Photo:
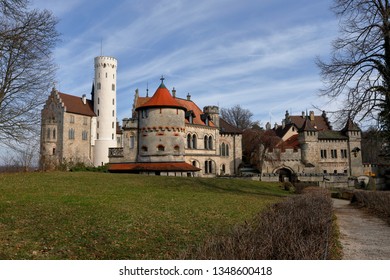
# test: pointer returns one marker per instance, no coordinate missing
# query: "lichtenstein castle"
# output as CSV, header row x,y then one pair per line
x,y
166,135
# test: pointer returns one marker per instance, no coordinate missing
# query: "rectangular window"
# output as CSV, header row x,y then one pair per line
x,y
132,142
333,153
113,87
85,120
71,133
85,135
71,119
344,153
323,154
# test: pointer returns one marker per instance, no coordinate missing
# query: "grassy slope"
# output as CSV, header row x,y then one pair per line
x,y
119,216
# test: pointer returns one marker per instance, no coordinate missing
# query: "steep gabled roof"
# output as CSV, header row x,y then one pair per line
x,y
75,104
320,123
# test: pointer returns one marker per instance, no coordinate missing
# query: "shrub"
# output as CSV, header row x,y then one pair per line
x,y
299,228
377,201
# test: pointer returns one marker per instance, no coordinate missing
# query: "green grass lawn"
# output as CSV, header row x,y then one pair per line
x,y
63,215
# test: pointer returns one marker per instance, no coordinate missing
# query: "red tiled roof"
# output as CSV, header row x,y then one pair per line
x,y
161,98
74,104
187,104
290,143
152,166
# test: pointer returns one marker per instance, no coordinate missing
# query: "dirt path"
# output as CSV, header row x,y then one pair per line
x,y
363,236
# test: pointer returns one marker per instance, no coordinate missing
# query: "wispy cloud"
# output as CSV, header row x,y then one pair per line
x,y
259,54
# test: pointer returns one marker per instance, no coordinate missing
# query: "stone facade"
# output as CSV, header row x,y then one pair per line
x,y
65,133
310,150
166,129
165,135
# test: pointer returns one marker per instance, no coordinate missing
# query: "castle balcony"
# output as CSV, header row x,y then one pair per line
x,y
115,152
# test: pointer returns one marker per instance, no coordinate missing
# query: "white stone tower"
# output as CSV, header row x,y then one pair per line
x,y
104,99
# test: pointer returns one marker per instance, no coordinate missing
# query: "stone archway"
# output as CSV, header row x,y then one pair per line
x,y
285,174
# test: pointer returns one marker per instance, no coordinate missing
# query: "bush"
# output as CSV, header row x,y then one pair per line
x,y
299,228
377,201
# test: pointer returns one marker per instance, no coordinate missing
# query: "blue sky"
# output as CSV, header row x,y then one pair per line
x,y
259,54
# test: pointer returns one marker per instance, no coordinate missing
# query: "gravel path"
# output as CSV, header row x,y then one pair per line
x,y
363,236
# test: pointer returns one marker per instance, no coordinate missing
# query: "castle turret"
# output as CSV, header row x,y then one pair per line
x,y
213,112
354,146
161,124
104,98
308,139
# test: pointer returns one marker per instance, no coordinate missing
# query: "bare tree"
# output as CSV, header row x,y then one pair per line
x,y
258,144
359,68
26,67
238,116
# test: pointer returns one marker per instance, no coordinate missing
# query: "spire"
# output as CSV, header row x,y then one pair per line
x,y
162,82
147,89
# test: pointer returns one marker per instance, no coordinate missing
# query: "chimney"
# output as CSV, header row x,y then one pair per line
x,y
312,115
174,93
188,96
84,99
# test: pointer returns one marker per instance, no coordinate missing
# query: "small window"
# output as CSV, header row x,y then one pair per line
x,y
112,136
113,87
54,151
113,101
99,86
144,149
71,133
160,148
48,133
54,133
113,113
176,148
84,135
71,119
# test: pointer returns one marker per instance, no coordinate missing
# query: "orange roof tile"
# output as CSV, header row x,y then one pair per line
x,y
152,166
74,104
161,98
189,105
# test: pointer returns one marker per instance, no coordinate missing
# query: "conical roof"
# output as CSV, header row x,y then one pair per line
x,y
307,126
351,126
162,98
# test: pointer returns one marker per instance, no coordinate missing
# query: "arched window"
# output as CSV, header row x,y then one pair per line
x,y
223,149
208,167
48,133
210,143
189,141
227,150
144,149
194,141
206,142
54,133
176,149
223,169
